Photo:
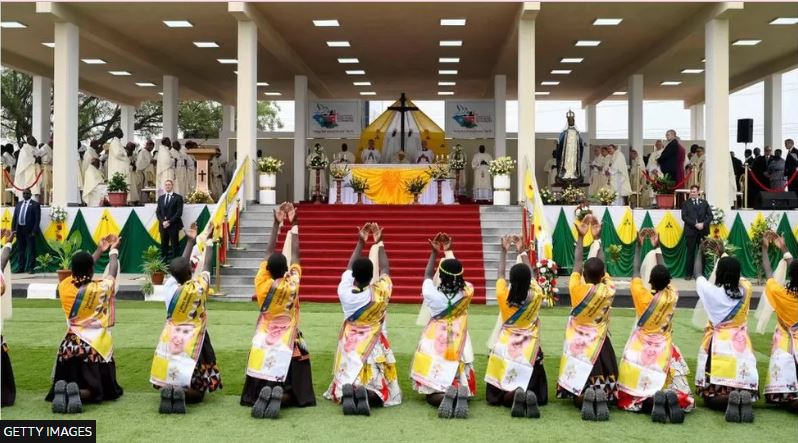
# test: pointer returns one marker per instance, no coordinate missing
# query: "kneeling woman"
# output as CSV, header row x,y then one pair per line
x,y
515,375
184,366
726,374
443,364
85,370
278,368
782,387
653,374
364,371
588,368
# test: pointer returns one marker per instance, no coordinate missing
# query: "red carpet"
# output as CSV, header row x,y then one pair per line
x,y
327,235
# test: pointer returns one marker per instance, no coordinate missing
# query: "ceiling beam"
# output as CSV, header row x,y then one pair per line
x,y
754,75
23,64
105,36
507,54
676,34
277,46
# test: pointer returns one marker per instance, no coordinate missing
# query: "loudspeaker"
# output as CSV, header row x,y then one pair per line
x,y
745,130
779,200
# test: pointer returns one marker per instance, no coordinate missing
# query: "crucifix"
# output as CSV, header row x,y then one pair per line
x,y
202,175
403,108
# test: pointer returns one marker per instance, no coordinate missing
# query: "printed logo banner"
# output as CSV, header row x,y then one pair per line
x,y
340,118
470,119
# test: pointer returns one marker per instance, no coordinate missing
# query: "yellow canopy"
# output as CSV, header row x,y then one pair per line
x,y
418,127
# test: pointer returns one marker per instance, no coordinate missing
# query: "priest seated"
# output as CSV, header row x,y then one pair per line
x,y
424,156
400,157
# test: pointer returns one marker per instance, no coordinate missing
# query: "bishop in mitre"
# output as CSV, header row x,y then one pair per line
x,y
569,153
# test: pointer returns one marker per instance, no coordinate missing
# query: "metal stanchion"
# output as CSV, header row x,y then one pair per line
x,y
745,188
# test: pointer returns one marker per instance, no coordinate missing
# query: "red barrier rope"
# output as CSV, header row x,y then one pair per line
x,y
11,181
676,186
223,243
767,189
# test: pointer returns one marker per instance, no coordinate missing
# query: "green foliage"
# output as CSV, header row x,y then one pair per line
x,y
663,184
416,185
199,197
359,185
151,261
43,262
148,288
64,250
117,183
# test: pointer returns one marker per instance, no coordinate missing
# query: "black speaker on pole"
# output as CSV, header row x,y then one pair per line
x,y
779,200
745,130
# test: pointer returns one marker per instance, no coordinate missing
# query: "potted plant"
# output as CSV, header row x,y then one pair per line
x,y
663,188
359,186
416,187
573,196
117,190
153,265
500,170
268,167
606,196
64,250
43,263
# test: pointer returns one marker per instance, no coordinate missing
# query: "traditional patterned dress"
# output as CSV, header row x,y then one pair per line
x,y
279,355
364,355
588,358
516,360
86,355
8,394
782,381
726,359
444,356
651,361
184,356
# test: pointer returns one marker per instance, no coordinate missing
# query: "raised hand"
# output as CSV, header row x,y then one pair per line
x,y
654,237
582,228
7,235
363,232
105,243
520,246
595,229
779,243
445,241
290,212
506,241
640,238
116,241
376,231
191,232
279,215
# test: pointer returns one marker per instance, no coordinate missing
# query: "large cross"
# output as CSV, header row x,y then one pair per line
x,y
403,108
202,175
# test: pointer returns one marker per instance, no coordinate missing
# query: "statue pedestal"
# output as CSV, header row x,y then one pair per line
x,y
202,155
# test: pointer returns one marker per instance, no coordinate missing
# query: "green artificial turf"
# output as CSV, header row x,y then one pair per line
x,y
38,326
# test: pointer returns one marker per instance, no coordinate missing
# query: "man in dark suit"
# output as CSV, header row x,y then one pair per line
x,y
791,163
696,215
760,168
739,169
169,212
25,224
671,160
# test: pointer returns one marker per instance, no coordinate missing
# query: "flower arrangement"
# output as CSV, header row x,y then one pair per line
x,y
614,253
582,211
199,197
358,184
758,230
573,195
319,159
270,165
58,214
717,215
457,159
339,171
663,184
438,171
501,166
546,271
416,185
549,197
605,196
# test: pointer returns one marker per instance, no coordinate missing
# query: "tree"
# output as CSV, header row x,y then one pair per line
x,y
268,118
201,119
16,90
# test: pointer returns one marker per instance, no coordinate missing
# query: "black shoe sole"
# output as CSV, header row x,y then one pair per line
x,y
362,401
658,413
733,408
348,400
446,408
461,406
746,408
179,401
602,410
532,409
74,404
675,412
166,400
519,404
273,409
59,397
589,405
259,407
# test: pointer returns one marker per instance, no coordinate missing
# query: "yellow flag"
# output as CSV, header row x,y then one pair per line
x,y
107,225
669,230
627,230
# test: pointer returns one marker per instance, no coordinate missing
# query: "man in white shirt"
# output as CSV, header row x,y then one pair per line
x,y
370,155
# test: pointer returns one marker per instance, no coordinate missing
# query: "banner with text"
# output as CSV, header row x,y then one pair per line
x,y
338,118
470,119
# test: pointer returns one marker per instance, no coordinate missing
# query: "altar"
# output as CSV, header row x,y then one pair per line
x,y
386,185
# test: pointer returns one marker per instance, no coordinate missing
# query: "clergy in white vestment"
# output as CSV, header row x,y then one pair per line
x,y
136,179
459,178
230,168
597,177
181,173
370,155
94,189
424,156
25,174
344,157
551,169
217,175
317,157
696,164
45,155
164,165
191,166
144,168
9,162
637,180
652,167
618,173
483,188
400,157
118,160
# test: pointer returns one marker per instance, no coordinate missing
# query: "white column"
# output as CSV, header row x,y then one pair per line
x,y
500,113
592,127
697,122
170,97
300,134
716,84
773,93
526,93
247,101
634,95
228,130
65,110
41,108
128,123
